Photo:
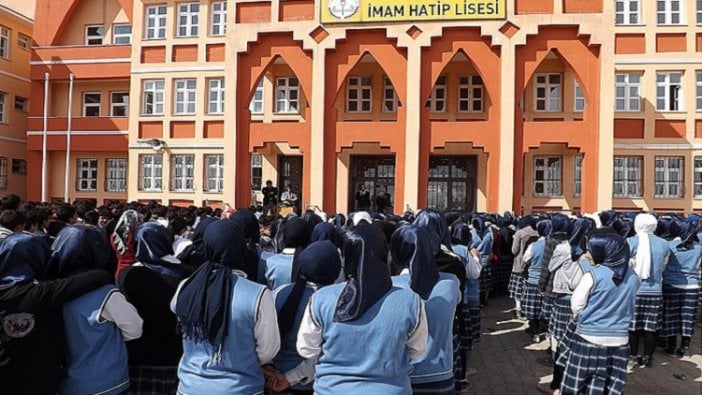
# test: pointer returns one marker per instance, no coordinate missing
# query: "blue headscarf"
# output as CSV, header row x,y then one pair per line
x,y
23,258
663,228
411,248
686,232
339,221
365,257
297,234
461,234
610,250
544,228
624,227
434,223
576,237
559,223
155,250
478,223
248,223
326,231
78,248
607,218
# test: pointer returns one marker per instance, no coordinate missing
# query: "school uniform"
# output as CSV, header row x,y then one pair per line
x,y
278,269
532,298
516,280
471,297
680,290
483,243
648,312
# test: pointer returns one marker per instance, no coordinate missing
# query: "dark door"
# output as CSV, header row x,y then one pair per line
x,y
377,173
290,173
452,183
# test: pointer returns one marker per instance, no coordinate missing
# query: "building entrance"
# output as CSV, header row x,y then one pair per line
x,y
290,173
452,182
376,175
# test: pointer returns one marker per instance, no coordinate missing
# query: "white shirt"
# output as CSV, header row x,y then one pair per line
x,y
116,309
578,302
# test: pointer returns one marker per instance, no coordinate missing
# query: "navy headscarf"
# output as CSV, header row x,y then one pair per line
x,y
248,223
461,234
623,226
610,250
194,254
78,248
326,231
23,258
319,264
686,232
434,223
155,250
544,228
478,224
576,237
297,234
607,218
339,221
365,256
663,229
411,248
559,223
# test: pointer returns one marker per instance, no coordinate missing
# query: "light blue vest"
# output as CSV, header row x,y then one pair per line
x,y
610,308
660,250
683,267
239,371
279,270
471,288
368,355
262,256
485,248
535,267
96,356
437,364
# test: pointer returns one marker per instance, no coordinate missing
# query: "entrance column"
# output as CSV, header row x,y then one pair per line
x,y
505,155
412,129
605,144
316,151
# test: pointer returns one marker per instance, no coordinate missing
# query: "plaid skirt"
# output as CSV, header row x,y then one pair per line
x,y
592,369
446,387
648,313
460,361
546,309
564,345
486,278
153,380
516,286
531,301
471,319
560,317
679,310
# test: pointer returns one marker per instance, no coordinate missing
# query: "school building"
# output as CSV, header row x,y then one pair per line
x,y
525,105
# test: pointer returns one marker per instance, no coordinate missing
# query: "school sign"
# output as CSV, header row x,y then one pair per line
x,y
360,11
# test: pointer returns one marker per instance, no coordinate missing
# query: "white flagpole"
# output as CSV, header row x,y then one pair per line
x,y
44,138
68,137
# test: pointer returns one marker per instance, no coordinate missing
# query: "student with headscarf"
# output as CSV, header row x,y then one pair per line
x,y
228,322
320,265
33,348
603,304
123,239
281,269
364,331
411,249
532,298
557,238
149,285
649,257
194,255
681,287
96,324
252,232
482,241
525,235
326,231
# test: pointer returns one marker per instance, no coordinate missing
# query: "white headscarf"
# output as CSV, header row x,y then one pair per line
x,y
362,216
644,225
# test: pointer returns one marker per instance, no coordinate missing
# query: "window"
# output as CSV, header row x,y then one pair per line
x,y
698,177
3,111
3,173
182,173
23,41
628,92
119,104
150,172
19,166
216,96
214,173
628,176
437,99
156,22
628,12
94,34
256,171
668,91
116,180
389,96
548,172
91,104
188,19
256,105
87,175
669,177
470,94
287,99
219,18
578,98
153,97
547,92
669,12
699,12
121,34
21,103
185,91
698,90
359,94
4,42
578,176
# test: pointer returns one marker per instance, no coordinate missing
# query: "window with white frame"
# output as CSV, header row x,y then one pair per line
x,y
359,94
116,175
94,34
21,103
153,97
3,107
4,42
287,95
699,12
91,104
215,96
628,176
627,12
470,93
669,173
698,177
437,98
256,171
151,172
669,91
87,170
578,175
188,19
698,91
578,98
184,96
547,93
669,12
182,172
23,41
121,34
628,92
156,22
256,104
218,18
214,173
389,96
3,173
548,175
119,104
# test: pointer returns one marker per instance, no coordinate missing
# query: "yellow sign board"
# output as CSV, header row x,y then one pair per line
x,y
359,11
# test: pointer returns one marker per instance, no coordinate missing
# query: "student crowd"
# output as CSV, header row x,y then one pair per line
x,y
146,299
